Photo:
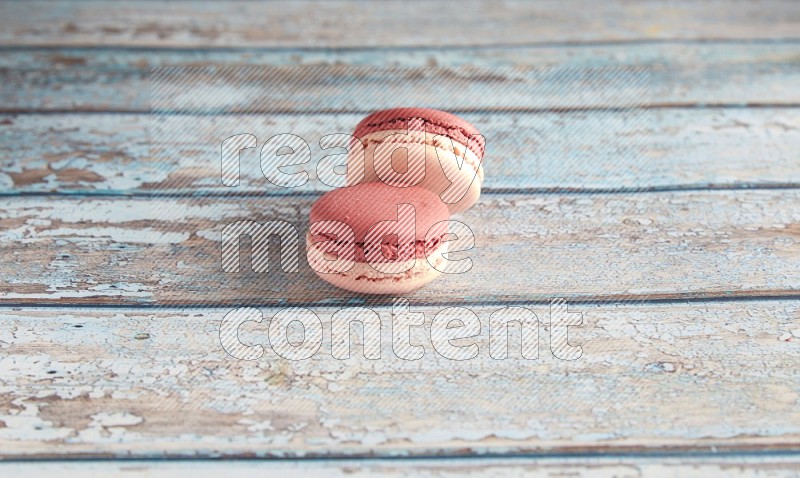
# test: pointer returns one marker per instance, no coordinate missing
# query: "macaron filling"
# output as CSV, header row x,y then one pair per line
x,y
453,146
419,270
423,268
390,251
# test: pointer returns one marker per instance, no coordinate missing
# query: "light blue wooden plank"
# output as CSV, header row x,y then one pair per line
x,y
678,53
688,74
653,382
658,149
766,464
356,24
626,247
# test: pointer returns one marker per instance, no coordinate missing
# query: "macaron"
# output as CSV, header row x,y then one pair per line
x,y
377,239
433,149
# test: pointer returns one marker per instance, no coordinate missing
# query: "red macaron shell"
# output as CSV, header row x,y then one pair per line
x,y
435,122
364,205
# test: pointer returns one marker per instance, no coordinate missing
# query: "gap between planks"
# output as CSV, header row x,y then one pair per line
x,y
485,191
632,301
457,111
111,48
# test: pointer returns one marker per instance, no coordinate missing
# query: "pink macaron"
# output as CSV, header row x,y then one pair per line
x,y
422,147
378,239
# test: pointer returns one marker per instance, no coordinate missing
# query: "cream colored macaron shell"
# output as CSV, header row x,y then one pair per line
x,y
363,278
448,169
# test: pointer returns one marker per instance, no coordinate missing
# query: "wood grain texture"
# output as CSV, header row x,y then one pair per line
x,y
528,247
651,378
662,385
396,24
766,465
680,148
675,56
679,74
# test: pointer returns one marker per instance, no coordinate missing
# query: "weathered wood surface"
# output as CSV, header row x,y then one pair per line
x,y
701,377
392,24
767,465
681,148
527,247
695,74
673,56
708,375
347,88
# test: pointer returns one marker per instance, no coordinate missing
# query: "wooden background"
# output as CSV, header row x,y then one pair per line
x,y
685,262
